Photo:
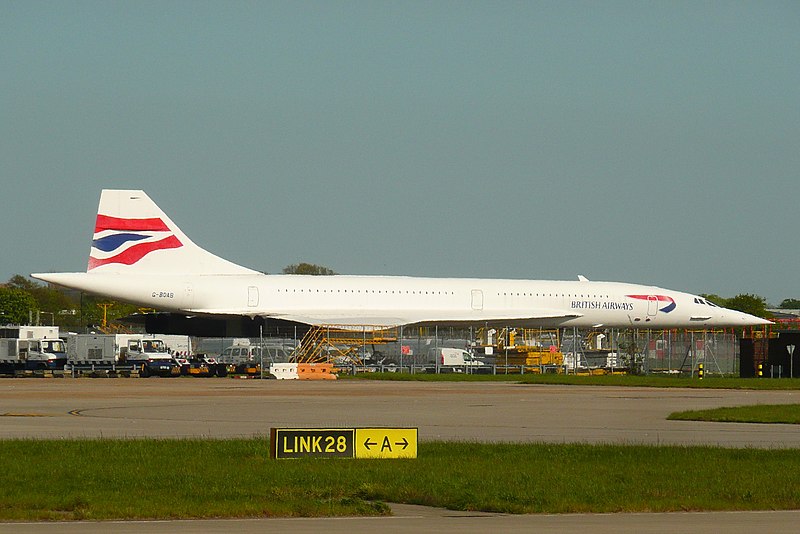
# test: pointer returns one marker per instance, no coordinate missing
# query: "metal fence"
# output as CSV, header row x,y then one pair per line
x,y
677,351
634,351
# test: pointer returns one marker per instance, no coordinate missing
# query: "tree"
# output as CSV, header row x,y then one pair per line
x,y
15,305
307,268
59,304
64,307
790,304
48,298
20,282
748,303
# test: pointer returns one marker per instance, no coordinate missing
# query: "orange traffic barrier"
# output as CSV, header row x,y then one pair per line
x,y
315,371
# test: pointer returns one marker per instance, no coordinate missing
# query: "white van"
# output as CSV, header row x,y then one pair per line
x,y
239,354
446,356
242,354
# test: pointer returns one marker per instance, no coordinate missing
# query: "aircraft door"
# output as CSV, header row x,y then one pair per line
x,y
188,296
477,299
652,305
252,296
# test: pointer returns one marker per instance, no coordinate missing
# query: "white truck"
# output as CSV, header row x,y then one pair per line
x,y
150,355
147,354
31,347
453,360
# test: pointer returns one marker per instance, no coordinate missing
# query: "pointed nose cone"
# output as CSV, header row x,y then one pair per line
x,y
745,319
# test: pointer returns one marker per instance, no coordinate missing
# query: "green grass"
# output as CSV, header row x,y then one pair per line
x,y
607,380
432,377
759,413
667,382
138,479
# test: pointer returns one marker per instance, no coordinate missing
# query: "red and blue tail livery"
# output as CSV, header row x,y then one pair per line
x,y
127,241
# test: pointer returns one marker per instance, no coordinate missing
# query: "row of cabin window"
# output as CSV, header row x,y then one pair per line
x,y
554,295
380,291
443,293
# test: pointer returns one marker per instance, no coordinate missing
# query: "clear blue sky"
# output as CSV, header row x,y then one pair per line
x,y
651,142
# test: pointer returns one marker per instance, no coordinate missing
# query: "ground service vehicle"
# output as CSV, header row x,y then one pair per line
x,y
91,349
201,365
30,348
244,358
32,354
150,356
456,360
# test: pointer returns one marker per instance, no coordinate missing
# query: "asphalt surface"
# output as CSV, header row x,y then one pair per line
x,y
487,411
417,519
483,411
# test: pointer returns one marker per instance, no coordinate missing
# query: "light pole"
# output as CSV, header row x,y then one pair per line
x,y
51,314
261,350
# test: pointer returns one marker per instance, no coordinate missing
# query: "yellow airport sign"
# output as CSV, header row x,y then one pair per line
x,y
382,443
386,443
311,442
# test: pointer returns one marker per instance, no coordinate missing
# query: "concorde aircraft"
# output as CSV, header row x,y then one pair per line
x,y
140,256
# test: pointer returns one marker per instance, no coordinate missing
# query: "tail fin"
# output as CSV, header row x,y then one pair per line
x,y
132,235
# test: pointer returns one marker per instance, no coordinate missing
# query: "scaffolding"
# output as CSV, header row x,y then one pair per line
x,y
107,327
341,344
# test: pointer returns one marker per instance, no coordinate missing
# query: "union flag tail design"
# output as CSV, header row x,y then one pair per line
x,y
127,241
133,235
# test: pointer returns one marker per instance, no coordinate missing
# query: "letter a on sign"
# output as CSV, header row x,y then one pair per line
x,y
386,442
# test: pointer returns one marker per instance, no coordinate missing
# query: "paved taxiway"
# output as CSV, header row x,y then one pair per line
x,y
487,411
419,519
483,411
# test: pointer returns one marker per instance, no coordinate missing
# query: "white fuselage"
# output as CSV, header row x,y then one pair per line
x,y
396,300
